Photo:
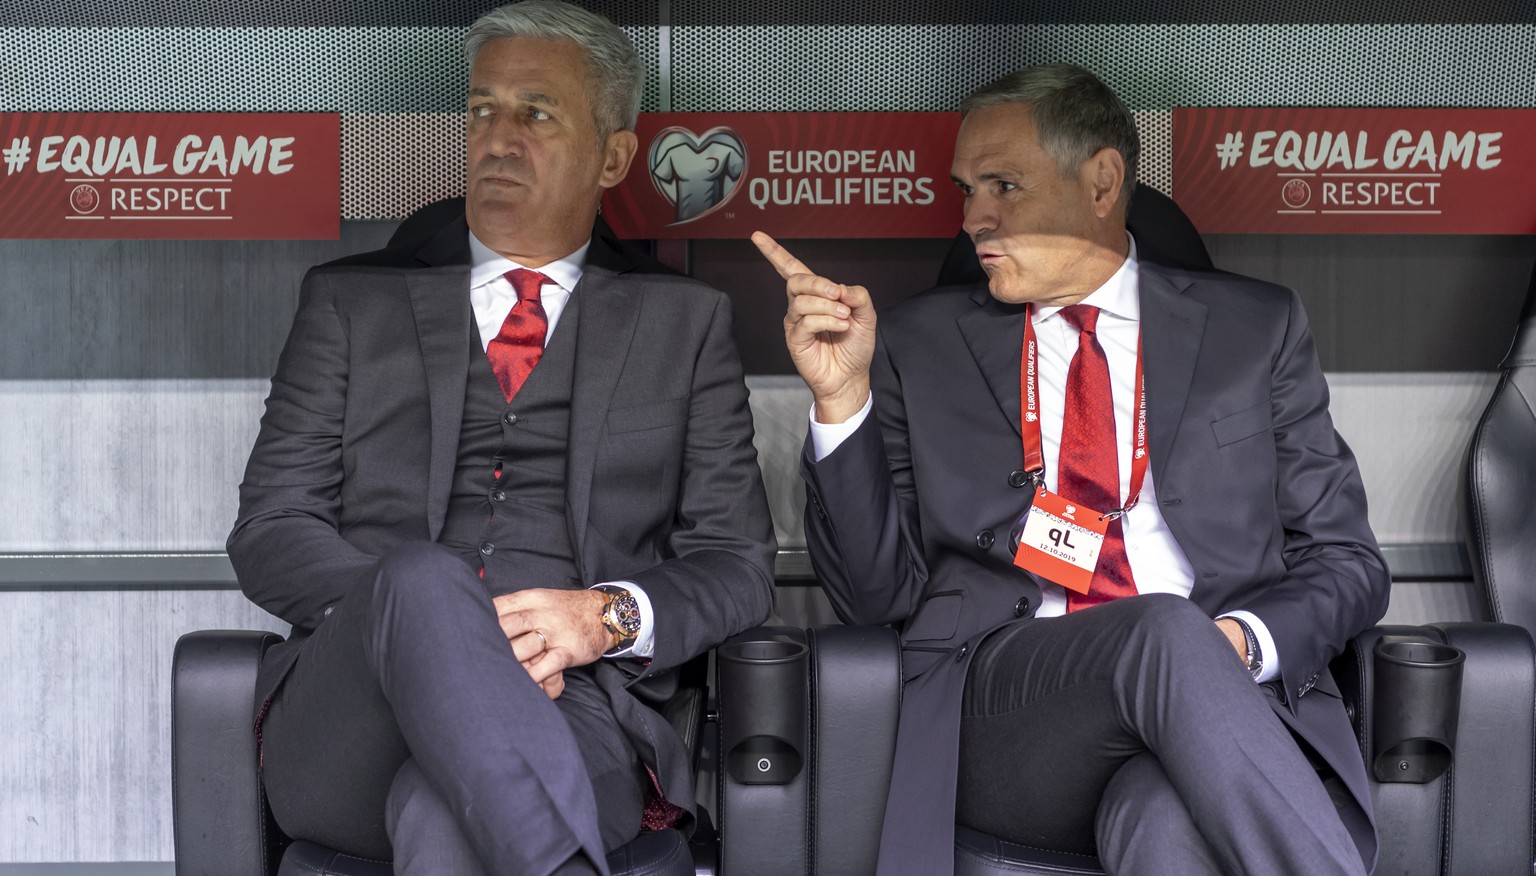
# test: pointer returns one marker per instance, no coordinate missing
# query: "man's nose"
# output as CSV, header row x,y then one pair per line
x,y
979,217
505,135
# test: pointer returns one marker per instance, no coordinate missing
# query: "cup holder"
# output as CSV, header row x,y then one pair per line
x,y
1416,704
762,709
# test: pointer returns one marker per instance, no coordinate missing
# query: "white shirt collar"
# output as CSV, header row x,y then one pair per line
x,y
486,265
1119,294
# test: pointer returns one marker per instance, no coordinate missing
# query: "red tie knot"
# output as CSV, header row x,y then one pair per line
x,y
526,282
1084,317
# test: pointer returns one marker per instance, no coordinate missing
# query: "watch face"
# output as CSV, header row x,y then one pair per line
x,y
625,613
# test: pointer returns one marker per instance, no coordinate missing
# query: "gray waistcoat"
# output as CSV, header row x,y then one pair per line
x,y
515,526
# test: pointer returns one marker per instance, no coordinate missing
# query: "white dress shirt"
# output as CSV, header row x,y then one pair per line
x,y
1157,562
492,297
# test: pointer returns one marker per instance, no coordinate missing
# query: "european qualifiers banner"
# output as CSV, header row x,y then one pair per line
x,y
1356,170
182,176
793,175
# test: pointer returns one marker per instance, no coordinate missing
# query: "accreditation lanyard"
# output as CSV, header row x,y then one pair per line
x,y
1055,537
1029,403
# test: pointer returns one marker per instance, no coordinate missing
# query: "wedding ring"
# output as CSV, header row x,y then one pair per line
x,y
543,642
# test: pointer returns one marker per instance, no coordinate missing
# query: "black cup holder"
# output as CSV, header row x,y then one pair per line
x,y
763,651
1416,704
762,709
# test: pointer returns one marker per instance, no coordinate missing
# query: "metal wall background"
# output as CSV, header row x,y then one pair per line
x,y
131,371
397,76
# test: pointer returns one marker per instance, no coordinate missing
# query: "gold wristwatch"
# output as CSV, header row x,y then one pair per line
x,y
621,616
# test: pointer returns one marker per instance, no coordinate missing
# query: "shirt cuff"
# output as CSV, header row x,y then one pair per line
x,y
645,640
1271,657
827,437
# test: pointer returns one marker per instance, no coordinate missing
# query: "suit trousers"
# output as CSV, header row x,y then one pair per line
x,y
408,700
1132,730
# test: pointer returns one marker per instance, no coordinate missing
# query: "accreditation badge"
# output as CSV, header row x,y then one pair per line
x,y
1060,541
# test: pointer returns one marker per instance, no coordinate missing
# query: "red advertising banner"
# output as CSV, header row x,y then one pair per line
x,y
1356,170
703,175
230,176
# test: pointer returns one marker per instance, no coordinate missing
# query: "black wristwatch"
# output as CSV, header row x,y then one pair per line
x,y
621,616
1255,653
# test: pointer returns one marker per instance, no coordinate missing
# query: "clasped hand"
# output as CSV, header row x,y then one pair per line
x,y
553,630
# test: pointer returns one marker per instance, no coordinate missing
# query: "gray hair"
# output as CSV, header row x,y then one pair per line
x,y
615,73
1075,114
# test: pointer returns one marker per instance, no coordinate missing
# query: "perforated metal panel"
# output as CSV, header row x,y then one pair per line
x,y
394,70
1156,165
400,91
396,163
912,12
1152,66
284,13
255,69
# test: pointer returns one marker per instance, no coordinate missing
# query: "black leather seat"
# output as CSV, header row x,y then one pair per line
x,y
1499,510
824,818
222,824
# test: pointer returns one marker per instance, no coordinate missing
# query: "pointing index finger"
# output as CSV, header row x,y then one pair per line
x,y
787,265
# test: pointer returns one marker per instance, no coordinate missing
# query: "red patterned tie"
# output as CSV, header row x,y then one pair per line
x,y
1089,467
517,347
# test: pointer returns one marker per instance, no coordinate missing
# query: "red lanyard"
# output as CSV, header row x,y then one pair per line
x,y
1029,403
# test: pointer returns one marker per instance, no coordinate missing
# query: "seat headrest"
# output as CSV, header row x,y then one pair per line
x,y
1522,353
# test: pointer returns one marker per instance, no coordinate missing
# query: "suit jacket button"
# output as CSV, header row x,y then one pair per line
x,y
960,655
486,548
498,495
1018,478
1021,608
985,539
509,418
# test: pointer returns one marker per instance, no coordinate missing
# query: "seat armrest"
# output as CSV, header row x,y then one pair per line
x,y
1483,805
222,826
823,815
855,696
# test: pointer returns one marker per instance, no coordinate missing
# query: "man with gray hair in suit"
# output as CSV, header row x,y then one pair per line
x,y
1105,502
504,485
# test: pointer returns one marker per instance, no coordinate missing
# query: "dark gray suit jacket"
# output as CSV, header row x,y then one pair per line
x,y
1258,489
358,446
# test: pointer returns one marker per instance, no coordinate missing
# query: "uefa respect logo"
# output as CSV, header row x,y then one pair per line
x,y
84,199
697,174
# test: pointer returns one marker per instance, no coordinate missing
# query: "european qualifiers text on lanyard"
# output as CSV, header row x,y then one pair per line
x,y
1058,539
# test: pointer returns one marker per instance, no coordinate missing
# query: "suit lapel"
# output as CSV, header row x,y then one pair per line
x,y
1172,325
440,301
994,332
610,308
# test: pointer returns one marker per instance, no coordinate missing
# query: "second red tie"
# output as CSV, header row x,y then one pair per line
x,y
1089,463
517,347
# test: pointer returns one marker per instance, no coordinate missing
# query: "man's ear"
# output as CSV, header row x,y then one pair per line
x,y
618,151
1103,175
